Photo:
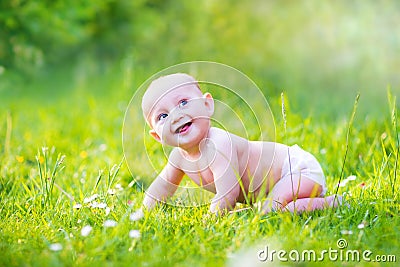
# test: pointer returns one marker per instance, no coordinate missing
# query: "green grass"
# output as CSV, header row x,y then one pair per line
x,y
81,118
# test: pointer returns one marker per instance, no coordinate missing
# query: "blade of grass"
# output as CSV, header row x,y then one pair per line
x,y
41,177
45,170
294,197
347,143
98,180
113,174
59,161
8,134
394,124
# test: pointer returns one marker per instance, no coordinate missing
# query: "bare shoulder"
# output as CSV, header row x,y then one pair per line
x,y
218,135
175,158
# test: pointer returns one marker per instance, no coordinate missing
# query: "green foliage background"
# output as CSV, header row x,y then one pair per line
x,y
321,52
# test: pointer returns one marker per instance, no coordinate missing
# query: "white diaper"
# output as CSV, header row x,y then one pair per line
x,y
304,164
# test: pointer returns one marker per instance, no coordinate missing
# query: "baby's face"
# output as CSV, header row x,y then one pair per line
x,y
181,116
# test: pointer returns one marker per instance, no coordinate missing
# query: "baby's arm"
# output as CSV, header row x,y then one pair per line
x,y
225,170
164,186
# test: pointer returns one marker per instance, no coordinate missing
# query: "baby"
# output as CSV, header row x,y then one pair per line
x,y
233,168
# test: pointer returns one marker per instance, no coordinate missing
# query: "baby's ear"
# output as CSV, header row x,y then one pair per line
x,y
209,103
155,135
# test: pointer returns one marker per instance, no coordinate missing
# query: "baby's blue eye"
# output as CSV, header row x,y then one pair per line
x,y
183,102
162,116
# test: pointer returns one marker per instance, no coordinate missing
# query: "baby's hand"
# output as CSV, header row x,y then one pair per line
x,y
137,215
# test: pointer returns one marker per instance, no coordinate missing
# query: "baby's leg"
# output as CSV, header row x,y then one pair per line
x,y
291,188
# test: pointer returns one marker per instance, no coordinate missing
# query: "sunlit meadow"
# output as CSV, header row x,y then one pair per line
x,y
68,198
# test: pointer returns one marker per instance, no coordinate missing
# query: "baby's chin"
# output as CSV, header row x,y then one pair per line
x,y
191,141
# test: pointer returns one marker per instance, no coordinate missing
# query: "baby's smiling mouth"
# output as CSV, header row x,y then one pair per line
x,y
184,127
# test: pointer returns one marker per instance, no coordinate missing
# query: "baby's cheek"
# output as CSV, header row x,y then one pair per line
x,y
200,114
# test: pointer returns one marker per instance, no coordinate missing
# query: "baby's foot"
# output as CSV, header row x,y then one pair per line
x,y
335,200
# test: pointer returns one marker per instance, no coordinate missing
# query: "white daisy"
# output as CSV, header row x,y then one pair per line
x,y
134,234
85,231
55,247
110,223
137,215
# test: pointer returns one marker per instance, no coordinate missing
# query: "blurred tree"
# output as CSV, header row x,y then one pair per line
x,y
323,48
36,33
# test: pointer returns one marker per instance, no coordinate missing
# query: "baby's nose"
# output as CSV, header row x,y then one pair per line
x,y
176,117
